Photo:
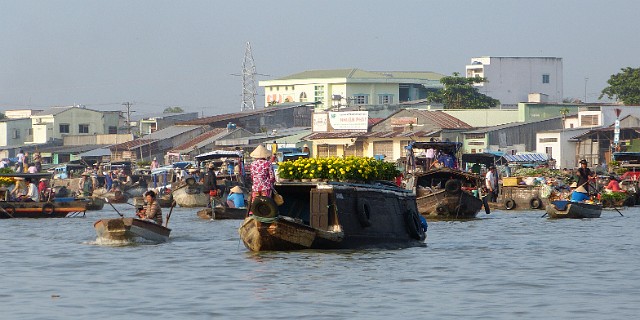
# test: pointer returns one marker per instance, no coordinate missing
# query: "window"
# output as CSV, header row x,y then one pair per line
x,y
303,97
113,130
542,140
545,78
355,149
361,99
385,99
476,143
83,128
325,151
383,148
319,93
475,136
589,120
548,150
16,134
64,128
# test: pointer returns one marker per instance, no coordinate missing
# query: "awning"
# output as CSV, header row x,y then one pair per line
x,y
217,154
526,157
100,152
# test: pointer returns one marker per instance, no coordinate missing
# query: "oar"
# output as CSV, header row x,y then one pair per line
x,y
114,208
173,204
618,211
543,215
6,212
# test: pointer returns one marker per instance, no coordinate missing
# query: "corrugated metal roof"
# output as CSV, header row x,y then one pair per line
x,y
377,134
239,115
57,110
209,135
172,131
132,144
526,157
508,125
443,120
70,149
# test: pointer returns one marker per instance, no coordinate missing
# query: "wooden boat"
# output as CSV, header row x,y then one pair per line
x,y
189,194
95,203
58,208
575,210
116,196
222,213
131,229
333,215
442,193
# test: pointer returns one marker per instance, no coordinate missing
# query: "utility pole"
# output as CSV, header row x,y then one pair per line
x,y
128,106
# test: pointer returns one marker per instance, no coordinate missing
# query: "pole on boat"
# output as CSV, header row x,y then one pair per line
x,y
543,215
114,208
618,211
173,204
6,212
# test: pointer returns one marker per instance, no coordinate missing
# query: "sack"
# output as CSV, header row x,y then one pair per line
x,y
277,198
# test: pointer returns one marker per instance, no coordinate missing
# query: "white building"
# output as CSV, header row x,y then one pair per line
x,y
14,132
513,79
559,145
74,120
350,87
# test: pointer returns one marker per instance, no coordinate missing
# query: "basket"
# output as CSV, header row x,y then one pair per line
x,y
511,181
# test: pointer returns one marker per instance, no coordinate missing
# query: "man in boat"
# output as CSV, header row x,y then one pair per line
x,y
211,183
151,211
491,183
585,175
32,191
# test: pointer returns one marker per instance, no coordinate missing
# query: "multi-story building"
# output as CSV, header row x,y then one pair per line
x,y
350,87
56,122
512,79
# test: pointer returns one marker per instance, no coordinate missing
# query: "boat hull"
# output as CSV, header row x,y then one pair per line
x,y
129,229
223,213
95,203
442,205
335,216
52,209
190,197
573,210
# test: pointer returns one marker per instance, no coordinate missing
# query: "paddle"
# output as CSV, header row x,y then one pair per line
x,y
618,211
114,208
173,204
6,212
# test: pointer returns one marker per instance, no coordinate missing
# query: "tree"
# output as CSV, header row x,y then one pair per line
x,y
173,110
459,93
624,86
2,116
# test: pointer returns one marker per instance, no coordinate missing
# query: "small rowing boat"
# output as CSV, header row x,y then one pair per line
x,y
130,229
574,210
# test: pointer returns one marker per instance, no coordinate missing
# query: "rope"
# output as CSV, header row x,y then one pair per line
x,y
264,220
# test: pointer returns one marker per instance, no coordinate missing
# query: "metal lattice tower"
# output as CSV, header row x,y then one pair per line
x,y
248,81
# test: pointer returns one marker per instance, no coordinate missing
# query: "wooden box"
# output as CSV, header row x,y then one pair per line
x,y
511,181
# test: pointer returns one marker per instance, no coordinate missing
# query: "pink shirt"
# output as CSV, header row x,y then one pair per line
x,y
262,175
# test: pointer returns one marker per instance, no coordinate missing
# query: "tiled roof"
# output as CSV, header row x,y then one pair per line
x,y
362,74
132,144
378,134
443,120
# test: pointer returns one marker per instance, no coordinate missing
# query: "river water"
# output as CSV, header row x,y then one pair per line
x,y
505,265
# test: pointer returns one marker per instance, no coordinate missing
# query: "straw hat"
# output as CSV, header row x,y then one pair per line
x,y
18,178
211,166
305,146
581,189
236,189
583,161
260,152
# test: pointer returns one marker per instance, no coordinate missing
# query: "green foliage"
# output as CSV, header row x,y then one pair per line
x,y
2,116
624,86
173,110
613,196
459,93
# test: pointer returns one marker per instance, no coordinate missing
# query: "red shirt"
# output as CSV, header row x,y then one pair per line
x,y
262,175
613,185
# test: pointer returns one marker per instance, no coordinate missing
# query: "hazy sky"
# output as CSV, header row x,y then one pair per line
x,y
166,53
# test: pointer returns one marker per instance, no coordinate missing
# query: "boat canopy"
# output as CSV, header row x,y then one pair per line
x,y
486,158
217,154
445,146
627,156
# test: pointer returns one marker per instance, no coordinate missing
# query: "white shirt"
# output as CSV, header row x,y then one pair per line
x,y
431,153
20,157
491,180
33,192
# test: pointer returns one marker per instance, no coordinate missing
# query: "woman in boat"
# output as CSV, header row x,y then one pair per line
x,y
262,174
580,194
32,191
151,211
235,199
19,189
613,185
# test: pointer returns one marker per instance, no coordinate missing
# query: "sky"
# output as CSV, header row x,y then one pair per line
x,y
156,54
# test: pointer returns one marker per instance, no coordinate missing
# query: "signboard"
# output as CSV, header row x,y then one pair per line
x,y
319,122
349,121
616,132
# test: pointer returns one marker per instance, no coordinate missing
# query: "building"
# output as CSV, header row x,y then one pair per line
x,y
350,87
560,145
56,122
15,131
154,123
509,138
512,79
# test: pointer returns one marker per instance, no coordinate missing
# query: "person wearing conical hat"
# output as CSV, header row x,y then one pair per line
x,y
580,194
262,175
235,199
585,175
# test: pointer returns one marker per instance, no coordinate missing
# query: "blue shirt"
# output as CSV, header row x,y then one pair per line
x,y
237,198
579,196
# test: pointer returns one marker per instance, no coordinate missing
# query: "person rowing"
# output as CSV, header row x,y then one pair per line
x,y
151,211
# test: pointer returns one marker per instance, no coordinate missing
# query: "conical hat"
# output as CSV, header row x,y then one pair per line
x,y
236,189
260,152
581,189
